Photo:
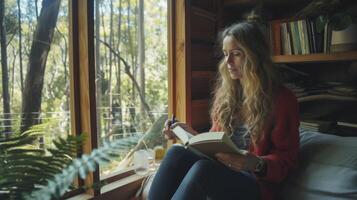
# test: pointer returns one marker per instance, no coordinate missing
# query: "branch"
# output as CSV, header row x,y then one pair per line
x,y
127,71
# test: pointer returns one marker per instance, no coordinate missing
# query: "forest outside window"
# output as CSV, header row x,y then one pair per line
x,y
46,69
35,88
130,38
35,68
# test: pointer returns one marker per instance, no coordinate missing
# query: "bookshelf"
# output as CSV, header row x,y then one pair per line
x,y
290,35
195,25
196,68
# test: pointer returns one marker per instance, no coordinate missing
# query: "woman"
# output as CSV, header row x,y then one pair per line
x,y
259,114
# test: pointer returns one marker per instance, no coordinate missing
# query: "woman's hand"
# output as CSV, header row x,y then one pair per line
x,y
169,126
238,162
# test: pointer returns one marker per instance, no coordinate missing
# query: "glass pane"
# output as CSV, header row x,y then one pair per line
x,y
34,69
131,76
35,78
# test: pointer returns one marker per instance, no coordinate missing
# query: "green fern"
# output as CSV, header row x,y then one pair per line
x,y
23,166
57,186
29,173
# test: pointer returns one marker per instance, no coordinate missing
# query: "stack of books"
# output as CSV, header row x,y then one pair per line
x,y
317,126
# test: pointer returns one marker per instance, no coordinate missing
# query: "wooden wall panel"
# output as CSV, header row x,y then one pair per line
x,y
203,26
201,88
203,57
208,5
193,29
200,114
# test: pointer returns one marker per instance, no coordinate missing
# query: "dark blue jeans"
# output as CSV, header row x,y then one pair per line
x,y
184,175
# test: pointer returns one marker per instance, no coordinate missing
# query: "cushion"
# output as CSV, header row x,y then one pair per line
x,y
327,168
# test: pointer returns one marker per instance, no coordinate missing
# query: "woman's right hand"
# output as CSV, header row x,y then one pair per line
x,y
167,130
169,134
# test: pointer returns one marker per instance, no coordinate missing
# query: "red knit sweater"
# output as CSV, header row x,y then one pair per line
x,y
279,148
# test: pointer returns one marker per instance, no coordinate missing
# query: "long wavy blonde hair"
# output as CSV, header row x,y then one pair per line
x,y
248,100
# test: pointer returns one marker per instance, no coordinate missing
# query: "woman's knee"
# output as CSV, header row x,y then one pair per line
x,y
176,150
175,154
202,168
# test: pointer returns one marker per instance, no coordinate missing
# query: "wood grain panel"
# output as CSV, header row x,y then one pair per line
x,y
208,5
181,67
200,114
318,57
83,78
201,87
203,26
203,57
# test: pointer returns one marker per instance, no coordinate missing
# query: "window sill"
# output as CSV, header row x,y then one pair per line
x,y
124,188
81,197
121,183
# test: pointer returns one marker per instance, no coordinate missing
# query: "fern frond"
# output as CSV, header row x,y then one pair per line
x,y
57,186
23,166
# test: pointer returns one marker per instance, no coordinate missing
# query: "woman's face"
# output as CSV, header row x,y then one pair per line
x,y
234,57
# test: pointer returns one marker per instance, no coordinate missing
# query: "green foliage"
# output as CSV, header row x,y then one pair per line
x,y
58,185
330,11
11,18
154,137
340,21
23,166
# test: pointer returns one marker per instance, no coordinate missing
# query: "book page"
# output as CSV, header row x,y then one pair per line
x,y
214,142
182,134
209,136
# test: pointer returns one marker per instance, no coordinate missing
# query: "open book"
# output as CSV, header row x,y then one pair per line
x,y
208,143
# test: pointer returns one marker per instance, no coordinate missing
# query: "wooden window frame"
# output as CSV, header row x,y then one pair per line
x,y
83,95
82,79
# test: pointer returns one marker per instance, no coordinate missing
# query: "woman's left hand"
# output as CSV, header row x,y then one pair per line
x,y
238,162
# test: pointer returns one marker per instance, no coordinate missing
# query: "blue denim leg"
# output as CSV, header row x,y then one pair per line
x,y
177,162
208,179
184,176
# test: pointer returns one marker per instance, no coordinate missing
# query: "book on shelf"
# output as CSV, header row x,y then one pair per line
x,y
285,34
275,37
207,144
298,37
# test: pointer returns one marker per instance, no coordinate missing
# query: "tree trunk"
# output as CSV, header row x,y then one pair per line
x,y
103,81
141,55
64,51
31,98
12,82
4,70
98,67
132,112
110,102
119,108
20,46
36,9
105,61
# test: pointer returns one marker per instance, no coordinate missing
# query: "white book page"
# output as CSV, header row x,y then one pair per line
x,y
209,136
182,134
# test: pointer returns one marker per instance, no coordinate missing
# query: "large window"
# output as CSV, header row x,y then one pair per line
x,y
63,62
131,74
35,82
